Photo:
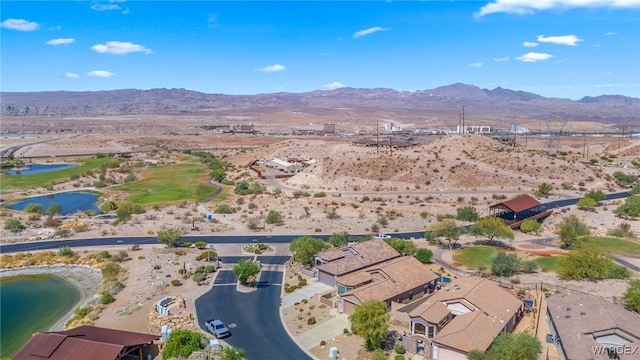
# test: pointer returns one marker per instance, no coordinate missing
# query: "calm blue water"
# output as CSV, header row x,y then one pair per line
x,y
71,202
31,169
29,304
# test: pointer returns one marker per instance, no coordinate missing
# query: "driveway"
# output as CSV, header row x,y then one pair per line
x,y
253,318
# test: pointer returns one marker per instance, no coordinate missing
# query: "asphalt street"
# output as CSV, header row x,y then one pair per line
x,y
253,318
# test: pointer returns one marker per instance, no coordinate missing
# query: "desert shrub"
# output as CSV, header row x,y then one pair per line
x,y
289,289
528,266
224,209
176,282
14,225
65,251
110,271
623,230
201,244
34,209
398,357
107,298
208,255
467,213
135,247
399,349
199,277
274,217
104,254
302,283
311,321
345,331
323,343
424,255
320,194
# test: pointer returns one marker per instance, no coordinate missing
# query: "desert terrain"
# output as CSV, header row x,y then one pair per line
x,y
411,188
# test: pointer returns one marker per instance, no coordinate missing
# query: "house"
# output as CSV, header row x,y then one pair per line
x,y
401,279
583,325
465,315
86,342
335,262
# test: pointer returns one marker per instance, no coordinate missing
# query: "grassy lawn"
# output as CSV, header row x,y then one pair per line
x,y
613,246
43,179
476,256
548,262
187,181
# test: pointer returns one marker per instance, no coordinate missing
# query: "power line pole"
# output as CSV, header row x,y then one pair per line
x,y
463,129
377,136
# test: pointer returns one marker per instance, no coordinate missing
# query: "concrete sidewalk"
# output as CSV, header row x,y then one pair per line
x,y
325,331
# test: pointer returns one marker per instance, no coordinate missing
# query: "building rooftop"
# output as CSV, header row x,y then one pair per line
x,y
388,280
518,204
473,330
357,256
583,321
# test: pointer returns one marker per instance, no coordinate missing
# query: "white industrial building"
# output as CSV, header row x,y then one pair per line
x,y
284,166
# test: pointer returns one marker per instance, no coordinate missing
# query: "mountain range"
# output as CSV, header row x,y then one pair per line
x,y
441,101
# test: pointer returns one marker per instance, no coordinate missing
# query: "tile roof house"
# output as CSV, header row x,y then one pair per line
x,y
85,342
467,314
584,326
335,262
400,279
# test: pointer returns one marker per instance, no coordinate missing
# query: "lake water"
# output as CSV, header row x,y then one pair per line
x,y
29,304
30,169
71,202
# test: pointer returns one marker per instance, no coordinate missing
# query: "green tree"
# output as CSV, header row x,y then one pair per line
x,y
217,174
571,229
124,213
402,246
504,264
509,346
305,248
170,237
424,255
596,195
492,228
14,225
530,226
339,239
587,264
241,187
110,271
274,217
371,321
544,190
231,353
630,207
447,229
587,203
631,297
54,209
246,269
467,213
182,343
34,209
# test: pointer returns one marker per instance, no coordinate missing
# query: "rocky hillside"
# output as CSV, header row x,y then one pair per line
x,y
441,101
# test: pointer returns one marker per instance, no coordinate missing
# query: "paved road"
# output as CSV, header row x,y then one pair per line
x,y
253,317
224,239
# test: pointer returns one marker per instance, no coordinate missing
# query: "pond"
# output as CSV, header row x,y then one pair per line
x,y
71,202
30,169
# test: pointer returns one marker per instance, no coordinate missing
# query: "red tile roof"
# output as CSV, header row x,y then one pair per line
x,y
521,203
84,342
357,256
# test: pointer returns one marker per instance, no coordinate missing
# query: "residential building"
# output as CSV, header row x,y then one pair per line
x,y
587,327
86,342
335,262
465,315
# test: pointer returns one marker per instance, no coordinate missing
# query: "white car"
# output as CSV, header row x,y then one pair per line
x,y
217,328
382,236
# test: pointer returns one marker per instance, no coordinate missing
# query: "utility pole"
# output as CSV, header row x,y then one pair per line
x,y
463,129
377,136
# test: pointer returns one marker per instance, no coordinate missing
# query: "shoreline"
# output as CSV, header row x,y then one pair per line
x,y
85,278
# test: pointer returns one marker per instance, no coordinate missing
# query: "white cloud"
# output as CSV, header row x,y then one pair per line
x,y
334,85
120,48
610,33
476,64
369,31
529,44
522,7
273,68
20,25
71,75
100,73
570,40
60,41
502,59
534,56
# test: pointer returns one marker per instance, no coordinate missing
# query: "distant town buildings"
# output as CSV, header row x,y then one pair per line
x,y
329,128
473,129
517,129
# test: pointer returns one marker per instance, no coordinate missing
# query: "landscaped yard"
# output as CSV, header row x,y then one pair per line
x,y
476,256
548,262
188,181
613,246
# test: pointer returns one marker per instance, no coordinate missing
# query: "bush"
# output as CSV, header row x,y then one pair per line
x,y
530,226
208,255
302,283
311,321
528,266
274,217
467,213
104,254
424,255
186,244
505,264
345,331
199,277
201,244
224,209
135,247
111,271
65,251
398,357
176,282
107,298
14,225
399,349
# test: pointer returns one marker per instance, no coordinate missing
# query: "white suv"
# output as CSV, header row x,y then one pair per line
x,y
382,236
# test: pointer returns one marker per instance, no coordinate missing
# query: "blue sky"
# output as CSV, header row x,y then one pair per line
x,y
555,48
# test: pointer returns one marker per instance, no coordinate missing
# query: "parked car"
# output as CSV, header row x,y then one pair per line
x,y
217,328
382,236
